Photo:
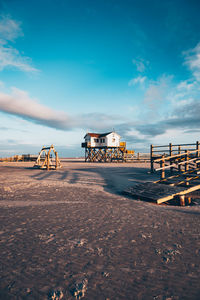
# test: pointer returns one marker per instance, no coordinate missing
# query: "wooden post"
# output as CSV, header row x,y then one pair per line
x,y
182,200
186,159
56,153
186,166
162,171
188,200
48,158
138,156
197,148
151,153
170,154
179,152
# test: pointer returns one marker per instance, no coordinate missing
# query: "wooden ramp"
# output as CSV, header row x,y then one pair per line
x,y
159,192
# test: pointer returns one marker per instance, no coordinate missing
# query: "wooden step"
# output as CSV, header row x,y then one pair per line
x,y
158,192
191,174
155,192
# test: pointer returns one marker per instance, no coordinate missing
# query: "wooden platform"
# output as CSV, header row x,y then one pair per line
x,y
159,192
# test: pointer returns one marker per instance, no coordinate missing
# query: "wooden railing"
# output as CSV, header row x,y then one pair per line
x,y
177,161
171,153
137,157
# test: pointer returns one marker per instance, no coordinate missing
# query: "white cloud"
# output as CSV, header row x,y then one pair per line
x,y
186,85
9,29
184,92
137,80
10,57
192,60
20,104
174,136
156,96
153,95
140,64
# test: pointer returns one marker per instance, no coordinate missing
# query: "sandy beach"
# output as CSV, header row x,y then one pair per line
x,y
72,234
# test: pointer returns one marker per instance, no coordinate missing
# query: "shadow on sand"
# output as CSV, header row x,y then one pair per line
x,y
113,179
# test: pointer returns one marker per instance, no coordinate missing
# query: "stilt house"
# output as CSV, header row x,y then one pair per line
x,y
109,139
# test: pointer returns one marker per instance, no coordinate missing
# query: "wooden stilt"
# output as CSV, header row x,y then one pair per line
x,y
182,200
188,200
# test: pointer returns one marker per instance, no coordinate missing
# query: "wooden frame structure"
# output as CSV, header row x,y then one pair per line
x,y
46,160
183,163
103,154
108,154
189,160
171,151
179,167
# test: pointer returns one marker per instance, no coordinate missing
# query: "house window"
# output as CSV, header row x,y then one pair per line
x,y
96,140
113,140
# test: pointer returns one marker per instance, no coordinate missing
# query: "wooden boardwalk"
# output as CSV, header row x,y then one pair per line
x,y
181,179
159,192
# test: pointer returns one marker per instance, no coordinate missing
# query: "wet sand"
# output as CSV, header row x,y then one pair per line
x,y
72,234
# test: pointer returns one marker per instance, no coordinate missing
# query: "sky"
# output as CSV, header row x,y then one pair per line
x,y
71,67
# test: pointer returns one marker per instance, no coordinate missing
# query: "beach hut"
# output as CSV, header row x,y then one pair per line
x,y
109,139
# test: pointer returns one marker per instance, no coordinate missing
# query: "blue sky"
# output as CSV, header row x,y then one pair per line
x,y
68,67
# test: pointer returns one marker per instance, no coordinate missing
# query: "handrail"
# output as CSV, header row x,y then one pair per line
x,y
176,145
177,155
174,150
174,165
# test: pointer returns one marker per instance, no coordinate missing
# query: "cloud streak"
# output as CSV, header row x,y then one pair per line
x,y
20,104
137,80
10,29
192,60
10,57
184,118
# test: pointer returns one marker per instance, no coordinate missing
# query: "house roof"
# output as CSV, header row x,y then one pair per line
x,y
105,134
92,134
99,135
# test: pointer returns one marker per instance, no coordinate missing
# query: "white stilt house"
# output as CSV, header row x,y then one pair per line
x,y
109,139
105,147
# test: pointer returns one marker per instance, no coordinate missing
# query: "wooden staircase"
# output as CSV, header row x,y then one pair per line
x,y
176,183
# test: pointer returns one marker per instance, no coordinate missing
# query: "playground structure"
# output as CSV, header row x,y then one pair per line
x,y
106,147
179,167
48,159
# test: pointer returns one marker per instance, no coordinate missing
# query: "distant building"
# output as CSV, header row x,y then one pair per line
x,y
109,139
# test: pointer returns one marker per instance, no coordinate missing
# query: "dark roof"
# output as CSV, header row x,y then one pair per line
x,y
104,134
